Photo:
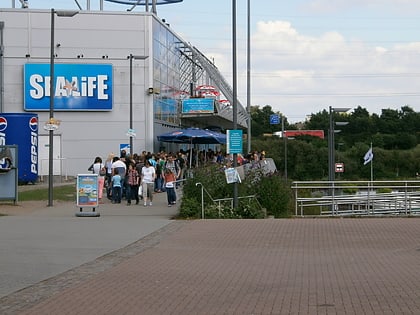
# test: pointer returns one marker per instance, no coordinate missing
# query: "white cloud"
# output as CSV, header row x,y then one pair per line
x,y
299,75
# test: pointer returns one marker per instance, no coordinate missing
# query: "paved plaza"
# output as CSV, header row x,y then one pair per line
x,y
271,266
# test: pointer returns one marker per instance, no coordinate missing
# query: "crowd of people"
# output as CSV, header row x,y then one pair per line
x,y
139,176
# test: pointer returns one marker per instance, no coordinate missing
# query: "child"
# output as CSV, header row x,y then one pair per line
x,y
170,179
116,187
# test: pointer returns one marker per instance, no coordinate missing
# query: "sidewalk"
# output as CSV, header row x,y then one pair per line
x,y
42,241
293,266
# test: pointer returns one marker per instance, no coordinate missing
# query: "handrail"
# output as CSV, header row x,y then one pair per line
x,y
249,197
366,200
219,201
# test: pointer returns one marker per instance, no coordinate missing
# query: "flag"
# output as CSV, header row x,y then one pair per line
x,y
368,156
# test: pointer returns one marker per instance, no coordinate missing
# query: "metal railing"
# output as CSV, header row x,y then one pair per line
x,y
220,202
360,198
224,87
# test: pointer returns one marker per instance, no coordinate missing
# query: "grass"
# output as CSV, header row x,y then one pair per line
x,y
62,193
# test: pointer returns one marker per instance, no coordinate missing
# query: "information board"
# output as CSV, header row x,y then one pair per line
x,y
232,176
274,119
87,190
234,141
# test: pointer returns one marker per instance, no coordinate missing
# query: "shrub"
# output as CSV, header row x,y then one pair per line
x,y
275,195
272,195
190,208
384,190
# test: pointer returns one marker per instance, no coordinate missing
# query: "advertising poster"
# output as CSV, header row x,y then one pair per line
x,y
87,190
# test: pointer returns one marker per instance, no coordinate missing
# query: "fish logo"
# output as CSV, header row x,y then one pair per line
x,y
33,124
3,123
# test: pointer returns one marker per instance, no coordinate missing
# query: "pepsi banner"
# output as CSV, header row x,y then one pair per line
x,y
21,129
77,87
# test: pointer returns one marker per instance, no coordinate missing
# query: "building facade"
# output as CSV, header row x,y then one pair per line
x,y
117,75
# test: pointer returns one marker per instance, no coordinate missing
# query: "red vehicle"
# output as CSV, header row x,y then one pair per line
x,y
296,133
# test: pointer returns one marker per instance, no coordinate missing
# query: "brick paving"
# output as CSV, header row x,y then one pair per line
x,y
293,266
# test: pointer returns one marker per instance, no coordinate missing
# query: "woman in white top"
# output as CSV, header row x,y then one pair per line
x,y
148,175
99,168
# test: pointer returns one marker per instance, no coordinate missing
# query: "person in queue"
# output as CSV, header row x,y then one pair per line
x,y
148,174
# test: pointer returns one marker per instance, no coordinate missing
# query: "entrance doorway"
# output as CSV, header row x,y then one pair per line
x,y
43,155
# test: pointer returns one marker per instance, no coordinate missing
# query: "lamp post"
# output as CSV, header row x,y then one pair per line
x,y
284,136
235,101
248,72
51,120
130,131
331,141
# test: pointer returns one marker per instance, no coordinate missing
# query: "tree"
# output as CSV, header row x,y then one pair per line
x,y
261,121
395,135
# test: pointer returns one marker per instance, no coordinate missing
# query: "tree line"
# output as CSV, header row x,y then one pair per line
x,y
394,135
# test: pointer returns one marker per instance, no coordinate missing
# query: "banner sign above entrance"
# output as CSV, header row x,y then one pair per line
x,y
78,87
198,106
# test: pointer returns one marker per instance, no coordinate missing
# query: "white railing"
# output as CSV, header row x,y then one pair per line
x,y
220,202
349,198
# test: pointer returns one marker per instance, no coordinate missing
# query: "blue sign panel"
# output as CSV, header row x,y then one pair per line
x,y
125,147
274,119
198,106
234,141
78,87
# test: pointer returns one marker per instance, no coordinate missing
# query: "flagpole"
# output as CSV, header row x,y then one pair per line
x,y
371,165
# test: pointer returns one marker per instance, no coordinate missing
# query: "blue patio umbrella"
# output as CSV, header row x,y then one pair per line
x,y
193,136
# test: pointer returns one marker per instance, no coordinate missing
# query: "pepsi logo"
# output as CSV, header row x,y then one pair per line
x,y
3,123
33,124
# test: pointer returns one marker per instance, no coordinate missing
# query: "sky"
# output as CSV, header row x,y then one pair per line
x,y
306,55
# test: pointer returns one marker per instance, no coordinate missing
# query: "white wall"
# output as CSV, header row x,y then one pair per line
x,y
85,135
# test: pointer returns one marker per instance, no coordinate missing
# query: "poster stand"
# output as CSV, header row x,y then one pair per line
x,y
87,195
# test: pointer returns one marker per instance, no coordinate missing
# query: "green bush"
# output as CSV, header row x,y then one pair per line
x,y
190,208
384,190
275,195
272,195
